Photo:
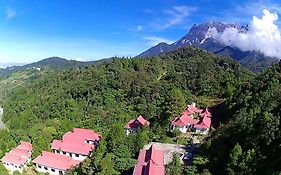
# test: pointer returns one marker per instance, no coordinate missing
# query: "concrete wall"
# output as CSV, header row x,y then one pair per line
x,y
12,167
131,131
45,169
72,155
182,129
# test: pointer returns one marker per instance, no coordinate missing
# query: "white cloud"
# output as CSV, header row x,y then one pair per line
x,y
174,16
10,13
242,12
263,35
153,40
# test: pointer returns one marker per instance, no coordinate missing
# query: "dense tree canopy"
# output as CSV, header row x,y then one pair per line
x,y
104,97
251,140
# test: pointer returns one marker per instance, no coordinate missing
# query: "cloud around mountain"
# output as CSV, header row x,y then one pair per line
x,y
263,35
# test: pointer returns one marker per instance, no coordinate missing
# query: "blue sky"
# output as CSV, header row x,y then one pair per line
x,y
31,30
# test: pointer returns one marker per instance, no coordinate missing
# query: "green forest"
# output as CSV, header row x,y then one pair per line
x,y
245,137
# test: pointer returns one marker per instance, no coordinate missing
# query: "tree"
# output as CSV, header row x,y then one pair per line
x,y
174,103
191,170
106,166
234,158
175,167
3,170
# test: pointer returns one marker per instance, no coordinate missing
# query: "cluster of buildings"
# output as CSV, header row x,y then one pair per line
x,y
134,124
78,144
193,119
151,161
74,147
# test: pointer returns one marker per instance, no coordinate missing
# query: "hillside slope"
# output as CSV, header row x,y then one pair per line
x,y
52,62
250,142
102,96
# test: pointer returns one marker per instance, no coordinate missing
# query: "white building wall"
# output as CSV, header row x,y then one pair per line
x,y
131,131
182,129
72,155
202,131
45,169
11,167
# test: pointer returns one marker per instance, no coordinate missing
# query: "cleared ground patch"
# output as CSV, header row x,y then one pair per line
x,y
169,150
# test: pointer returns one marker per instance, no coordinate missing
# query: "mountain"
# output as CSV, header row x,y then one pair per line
x,y
54,62
254,60
200,36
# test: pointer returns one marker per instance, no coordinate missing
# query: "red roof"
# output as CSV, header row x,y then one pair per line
x,y
21,152
85,134
150,162
25,146
137,123
14,159
205,122
73,147
75,141
184,120
205,112
18,155
56,161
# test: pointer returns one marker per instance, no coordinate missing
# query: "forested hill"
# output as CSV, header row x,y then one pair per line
x,y
250,143
108,94
52,62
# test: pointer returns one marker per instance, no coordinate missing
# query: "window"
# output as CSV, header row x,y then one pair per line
x,y
77,155
53,170
70,154
39,166
64,152
45,168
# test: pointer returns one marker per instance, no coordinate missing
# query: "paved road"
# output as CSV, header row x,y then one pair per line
x,y
2,125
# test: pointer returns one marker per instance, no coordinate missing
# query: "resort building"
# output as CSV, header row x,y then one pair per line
x,y
193,119
77,144
54,164
135,124
18,158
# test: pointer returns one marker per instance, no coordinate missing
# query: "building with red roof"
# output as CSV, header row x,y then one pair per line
x,y
184,123
203,126
77,144
18,158
54,164
135,124
150,162
25,146
188,121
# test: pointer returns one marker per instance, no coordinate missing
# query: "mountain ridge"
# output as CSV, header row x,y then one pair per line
x,y
54,62
200,36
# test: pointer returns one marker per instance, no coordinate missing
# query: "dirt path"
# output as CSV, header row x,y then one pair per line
x,y
2,125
